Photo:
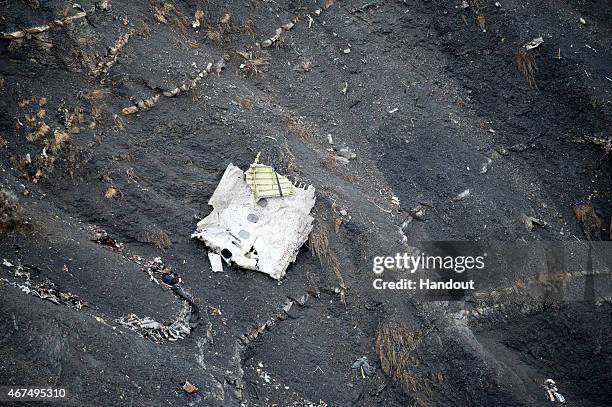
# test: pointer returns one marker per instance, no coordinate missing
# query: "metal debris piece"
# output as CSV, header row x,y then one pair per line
x,y
148,323
215,262
156,267
462,195
256,233
156,332
218,66
536,42
364,366
265,182
46,290
344,88
552,392
485,166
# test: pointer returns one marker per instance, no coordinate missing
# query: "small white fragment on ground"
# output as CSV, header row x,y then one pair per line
x,y
462,195
530,221
215,262
536,42
341,160
7,263
395,200
392,110
552,393
464,4
344,88
485,166
346,153
582,21
347,50
330,138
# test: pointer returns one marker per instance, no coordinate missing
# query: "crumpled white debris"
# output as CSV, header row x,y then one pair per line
x,y
262,235
150,329
536,42
552,393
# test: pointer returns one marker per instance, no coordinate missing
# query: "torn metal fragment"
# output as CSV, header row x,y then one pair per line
x,y
536,42
462,195
256,233
215,262
265,182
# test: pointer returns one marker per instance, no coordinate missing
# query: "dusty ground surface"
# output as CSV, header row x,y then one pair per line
x,y
426,96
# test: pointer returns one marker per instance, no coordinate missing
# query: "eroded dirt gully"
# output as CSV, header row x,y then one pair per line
x,y
424,98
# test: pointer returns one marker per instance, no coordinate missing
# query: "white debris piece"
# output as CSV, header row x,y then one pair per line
x,y
552,392
462,195
485,167
215,262
263,235
536,42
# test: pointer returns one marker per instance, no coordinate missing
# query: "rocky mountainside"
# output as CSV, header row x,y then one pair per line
x,y
414,120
